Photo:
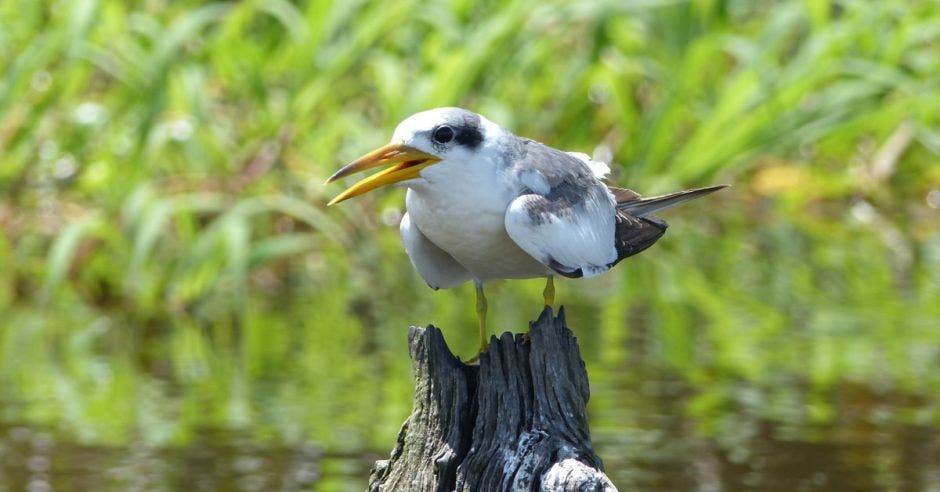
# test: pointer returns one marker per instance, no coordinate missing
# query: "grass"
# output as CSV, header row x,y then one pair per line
x,y
167,263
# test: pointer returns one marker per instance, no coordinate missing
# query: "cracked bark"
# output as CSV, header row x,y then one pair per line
x,y
515,422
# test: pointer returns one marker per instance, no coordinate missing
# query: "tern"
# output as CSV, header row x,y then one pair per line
x,y
484,204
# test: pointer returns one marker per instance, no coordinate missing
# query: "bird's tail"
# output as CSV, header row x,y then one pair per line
x,y
638,206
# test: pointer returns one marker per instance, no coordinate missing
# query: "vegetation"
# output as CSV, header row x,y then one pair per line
x,y
167,263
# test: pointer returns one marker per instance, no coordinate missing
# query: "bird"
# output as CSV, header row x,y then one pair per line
x,y
484,204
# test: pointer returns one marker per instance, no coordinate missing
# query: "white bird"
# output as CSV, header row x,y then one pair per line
x,y
484,204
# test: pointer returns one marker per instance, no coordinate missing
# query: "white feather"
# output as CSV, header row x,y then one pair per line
x,y
535,182
435,266
582,239
600,169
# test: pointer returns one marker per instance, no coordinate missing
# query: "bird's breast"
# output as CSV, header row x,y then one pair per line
x,y
470,226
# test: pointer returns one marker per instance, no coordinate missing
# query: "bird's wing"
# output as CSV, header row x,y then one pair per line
x,y
623,195
634,234
636,229
632,203
600,169
563,217
439,269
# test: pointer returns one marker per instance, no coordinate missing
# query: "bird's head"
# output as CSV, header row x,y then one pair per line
x,y
441,138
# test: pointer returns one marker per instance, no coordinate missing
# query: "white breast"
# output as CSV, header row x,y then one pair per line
x,y
470,226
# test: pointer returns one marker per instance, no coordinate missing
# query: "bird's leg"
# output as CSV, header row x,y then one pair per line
x,y
549,292
481,314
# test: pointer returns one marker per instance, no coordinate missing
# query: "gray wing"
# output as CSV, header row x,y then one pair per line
x,y
563,217
439,269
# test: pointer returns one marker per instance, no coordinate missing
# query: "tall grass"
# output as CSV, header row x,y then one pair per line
x,y
167,262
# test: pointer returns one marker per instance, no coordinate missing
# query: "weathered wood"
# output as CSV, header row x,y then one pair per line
x,y
515,422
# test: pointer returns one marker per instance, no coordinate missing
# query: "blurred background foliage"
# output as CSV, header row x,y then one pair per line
x,y
174,291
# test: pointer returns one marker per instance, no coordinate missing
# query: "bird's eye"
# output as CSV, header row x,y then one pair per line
x,y
443,134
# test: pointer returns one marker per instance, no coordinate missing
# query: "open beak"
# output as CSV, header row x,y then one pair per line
x,y
407,162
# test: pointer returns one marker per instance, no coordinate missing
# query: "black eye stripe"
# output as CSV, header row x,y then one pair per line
x,y
443,134
470,135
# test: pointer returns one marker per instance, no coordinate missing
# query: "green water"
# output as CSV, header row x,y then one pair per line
x,y
645,426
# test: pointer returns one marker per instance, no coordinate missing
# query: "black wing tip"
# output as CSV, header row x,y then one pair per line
x,y
563,270
656,221
636,234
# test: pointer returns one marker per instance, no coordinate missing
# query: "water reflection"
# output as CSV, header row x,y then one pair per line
x,y
657,440
646,427
36,460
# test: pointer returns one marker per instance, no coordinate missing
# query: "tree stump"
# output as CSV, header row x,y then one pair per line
x,y
516,421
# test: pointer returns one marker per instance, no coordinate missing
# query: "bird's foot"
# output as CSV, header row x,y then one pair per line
x,y
549,292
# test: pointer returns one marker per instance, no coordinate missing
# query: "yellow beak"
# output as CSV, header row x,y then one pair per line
x,y
408,161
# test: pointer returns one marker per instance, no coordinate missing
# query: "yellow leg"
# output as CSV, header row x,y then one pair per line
x,y
481,315
549,292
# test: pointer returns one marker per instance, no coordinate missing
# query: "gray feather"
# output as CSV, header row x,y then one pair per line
x,y
644,206
563,217
563,182
555,166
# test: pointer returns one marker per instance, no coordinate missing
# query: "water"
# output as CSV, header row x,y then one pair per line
x,y
39,460
868,447
649,427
